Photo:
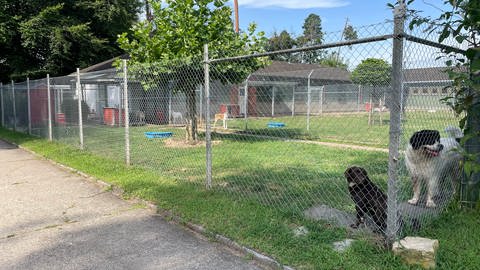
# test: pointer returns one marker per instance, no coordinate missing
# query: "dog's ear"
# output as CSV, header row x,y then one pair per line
x,y
356,174
424,137
364,172
348,173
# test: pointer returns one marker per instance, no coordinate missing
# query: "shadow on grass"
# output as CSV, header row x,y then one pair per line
x,y
290,190
16,137
263,134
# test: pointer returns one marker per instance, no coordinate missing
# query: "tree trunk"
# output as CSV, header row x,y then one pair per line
x,y
472,145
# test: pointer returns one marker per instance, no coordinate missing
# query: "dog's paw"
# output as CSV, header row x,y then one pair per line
x,y
430,204
413,201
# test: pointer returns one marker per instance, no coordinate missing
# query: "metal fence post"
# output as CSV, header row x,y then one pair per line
x,y
245,102
273,101
395,122
309,100
201,104
29,109
14,107
80,117
49,109
293,101
120,92
322,91
359,97
1,100
170,121
127,115
208,137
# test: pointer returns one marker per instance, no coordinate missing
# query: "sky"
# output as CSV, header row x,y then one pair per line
x,y
278,15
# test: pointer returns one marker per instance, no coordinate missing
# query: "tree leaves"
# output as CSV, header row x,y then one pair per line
x,y
57,36
372,72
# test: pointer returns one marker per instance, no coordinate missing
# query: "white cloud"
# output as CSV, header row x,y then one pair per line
x,y
293,4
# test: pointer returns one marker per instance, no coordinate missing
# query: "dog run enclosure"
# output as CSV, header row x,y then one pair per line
x,y
293,123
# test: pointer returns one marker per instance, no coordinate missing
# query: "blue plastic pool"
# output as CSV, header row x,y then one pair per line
x,y
157,134
275,124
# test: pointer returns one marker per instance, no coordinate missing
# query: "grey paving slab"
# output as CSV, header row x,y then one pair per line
x,y
53,219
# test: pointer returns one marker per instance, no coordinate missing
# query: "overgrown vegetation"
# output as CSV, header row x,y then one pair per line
x,y
55,37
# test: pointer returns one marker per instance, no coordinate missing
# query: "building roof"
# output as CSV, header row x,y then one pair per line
x,y
279,70
430,74
107,64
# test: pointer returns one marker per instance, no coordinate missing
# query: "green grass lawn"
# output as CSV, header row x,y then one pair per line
x,y
261,184
257,225
346,128
291,176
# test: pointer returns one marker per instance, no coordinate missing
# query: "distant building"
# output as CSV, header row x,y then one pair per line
x,y
425,87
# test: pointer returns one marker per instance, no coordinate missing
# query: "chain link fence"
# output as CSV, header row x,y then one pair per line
x,y
323,140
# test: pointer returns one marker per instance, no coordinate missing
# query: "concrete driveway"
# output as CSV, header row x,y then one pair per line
x,y
53,219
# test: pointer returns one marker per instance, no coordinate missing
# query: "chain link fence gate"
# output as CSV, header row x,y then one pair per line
x,y
292,134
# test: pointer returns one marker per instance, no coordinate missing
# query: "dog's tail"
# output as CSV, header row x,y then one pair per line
x,y
454,132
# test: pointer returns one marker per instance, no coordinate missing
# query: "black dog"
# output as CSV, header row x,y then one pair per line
x,y
368,198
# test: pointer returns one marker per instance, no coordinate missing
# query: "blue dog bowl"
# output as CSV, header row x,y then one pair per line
x,y
275,124
161,135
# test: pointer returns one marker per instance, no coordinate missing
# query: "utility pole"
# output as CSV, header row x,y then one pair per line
x,y
341,39
235,4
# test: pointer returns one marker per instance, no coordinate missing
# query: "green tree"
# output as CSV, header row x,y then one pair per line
x,y
349,33
333,60
372,72
460,21
55,36
172,45
281,41
312,35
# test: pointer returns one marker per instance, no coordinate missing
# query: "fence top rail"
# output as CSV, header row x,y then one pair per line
x,y
432,44
303,49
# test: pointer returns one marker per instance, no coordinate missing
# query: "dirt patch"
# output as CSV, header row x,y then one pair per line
x,y
171,143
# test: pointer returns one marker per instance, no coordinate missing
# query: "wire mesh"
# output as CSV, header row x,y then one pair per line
x,y
8,112
304,132
294,127
39,108
431,174
103,113
21,108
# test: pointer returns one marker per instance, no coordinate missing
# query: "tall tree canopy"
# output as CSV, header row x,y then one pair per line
x,y
349,33
57,36
281,41
312,35
312,31
172,44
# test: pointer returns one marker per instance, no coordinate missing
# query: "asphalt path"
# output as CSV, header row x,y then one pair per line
x,y
51,218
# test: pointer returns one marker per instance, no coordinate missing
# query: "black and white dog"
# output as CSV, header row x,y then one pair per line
x,y
369,199
430,159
